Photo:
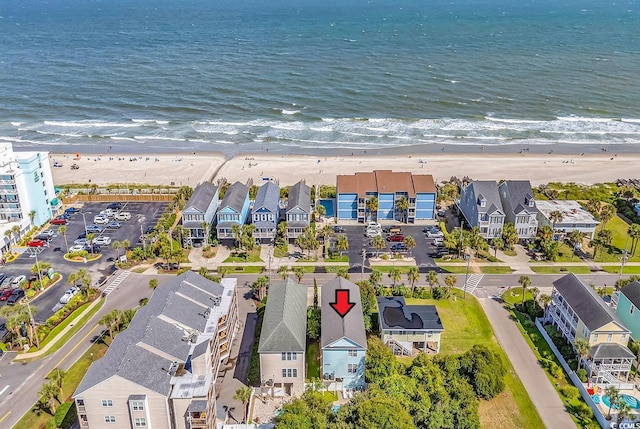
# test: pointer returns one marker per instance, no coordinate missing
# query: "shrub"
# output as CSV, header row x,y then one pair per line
x,y
65,415
582,374
582,411
571,392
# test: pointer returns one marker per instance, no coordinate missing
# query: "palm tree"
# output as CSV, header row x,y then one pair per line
x,y
16,230
153,284
402,207
395,275
525,282
613,395
49,391
8,233
582,348
32,216
372,207
576,236
604,237
432,279
606,214
545,300
116,245
375,277
320,211
205,228
90,238
260,286
413,275
342,243
593,206
63,230
535,292
634,233
509,235
327,233
126,244
243,395
108,320
236,231
57,378
299,273
283,271
450,281
409,243
555,216
342,272
498,244
378,243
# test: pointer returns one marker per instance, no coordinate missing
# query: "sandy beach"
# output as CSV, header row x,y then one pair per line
x,y
288,169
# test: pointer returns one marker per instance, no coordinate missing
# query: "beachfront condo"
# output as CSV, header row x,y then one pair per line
x,y
161,371
233,210
386,197
520,207
26,186
298,212
283,339
481,206
572,217
266,211
199,212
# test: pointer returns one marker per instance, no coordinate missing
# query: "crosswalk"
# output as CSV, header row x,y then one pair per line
x,y
116,282
472,282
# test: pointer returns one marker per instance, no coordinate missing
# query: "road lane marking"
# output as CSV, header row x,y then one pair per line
x,y
3,390
75,347
5,416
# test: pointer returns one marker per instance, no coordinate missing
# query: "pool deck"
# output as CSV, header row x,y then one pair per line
x,y
604,409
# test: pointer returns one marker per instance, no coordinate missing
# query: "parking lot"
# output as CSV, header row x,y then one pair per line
x,y
143,215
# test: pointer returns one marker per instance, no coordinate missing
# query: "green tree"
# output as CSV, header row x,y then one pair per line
x,y
614,396
395,275
498,244
545,300
299,272
380,361
63,230
409,243
545,234
375,277
582,347
236,232
342,243
108,320
153,284
259,287
243,395
327,233
413,275
8,233
634,234
376,412
126,244
432,279
32,216
90,238
49,393
476,240
606,214
342,272
313,323
525,282
283,271
509,235
593,205
575,238
450,281
402,208
604,237
378,243
485,371
555,216
372,205
56,376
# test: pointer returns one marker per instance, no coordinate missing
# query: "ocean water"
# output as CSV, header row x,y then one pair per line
x,y
311,76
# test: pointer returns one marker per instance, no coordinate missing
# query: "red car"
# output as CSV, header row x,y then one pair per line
x,y
58,221
5,294
36,243
397,238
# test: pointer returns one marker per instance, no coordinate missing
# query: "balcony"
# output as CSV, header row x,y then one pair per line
x,y
11,211
198,423
7,182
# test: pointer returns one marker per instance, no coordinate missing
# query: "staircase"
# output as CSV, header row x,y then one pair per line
x,y
401,348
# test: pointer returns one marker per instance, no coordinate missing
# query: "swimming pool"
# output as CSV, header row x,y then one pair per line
x,y
630,400
329,206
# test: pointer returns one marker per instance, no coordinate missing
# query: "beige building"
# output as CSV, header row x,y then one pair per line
x,y
283,340
161,371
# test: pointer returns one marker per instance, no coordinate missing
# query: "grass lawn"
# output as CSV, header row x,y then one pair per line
x,y
245,269
627,269
465,324
510,252
280,252
338,258
404,269
514,296
619,229
565,254
556,269
313,360
499,269
241,256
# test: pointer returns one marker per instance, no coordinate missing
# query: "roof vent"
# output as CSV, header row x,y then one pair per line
x,y
216,301
173,368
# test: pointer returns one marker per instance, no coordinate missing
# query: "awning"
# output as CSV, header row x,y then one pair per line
x,y
54,202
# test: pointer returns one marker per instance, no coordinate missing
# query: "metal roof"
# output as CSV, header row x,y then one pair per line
x,y
284,327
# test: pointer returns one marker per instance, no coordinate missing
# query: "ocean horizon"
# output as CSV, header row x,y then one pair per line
x,y
310,77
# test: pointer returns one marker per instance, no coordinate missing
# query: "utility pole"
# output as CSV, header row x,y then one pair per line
x,y
364,257
466,276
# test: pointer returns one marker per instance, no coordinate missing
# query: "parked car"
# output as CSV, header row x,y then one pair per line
x,y
439,253
71,210
100,219
438,241
81,242
102,241
58,221
338,229
441,213
76,248
93,228
122,216
114,224
92,249
16,296
36,243
43,237
2,277
6,283
396,238
5,294
433,232
108,212
19,279
372,233
50,233
149,229
374,225
82,235
398,247
68,294
115,206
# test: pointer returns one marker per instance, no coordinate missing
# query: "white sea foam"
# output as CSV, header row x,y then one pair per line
x,y
289,112
94,124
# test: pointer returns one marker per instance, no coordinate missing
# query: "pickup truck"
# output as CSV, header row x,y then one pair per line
x,y
122,216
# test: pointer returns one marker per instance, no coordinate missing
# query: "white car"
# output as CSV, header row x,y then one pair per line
x,y
373,233
122,216
100,219
76,248
434,233
81,242
375,225
108,212
102,241
70,293
18,280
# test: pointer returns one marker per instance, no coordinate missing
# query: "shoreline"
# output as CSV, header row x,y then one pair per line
x,y
192,169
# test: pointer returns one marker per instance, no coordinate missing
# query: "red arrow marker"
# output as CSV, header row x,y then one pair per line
x,y
342,305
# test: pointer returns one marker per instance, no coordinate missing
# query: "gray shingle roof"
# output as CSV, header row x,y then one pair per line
x,y
518,191
632,292
235,197
284,327
489,190
268,197
202,196
299,196
335,327
393,313
589,307
129,355
610,351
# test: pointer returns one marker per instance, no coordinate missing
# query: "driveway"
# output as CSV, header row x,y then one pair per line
x,y
526,365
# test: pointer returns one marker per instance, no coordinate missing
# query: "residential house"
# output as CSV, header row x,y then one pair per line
x,y
520,207
574,217
266,211
577,311
388,187
161,371
628,308
343,339
26,189
198,213
481,206
283,339
409,329
233,210
298,214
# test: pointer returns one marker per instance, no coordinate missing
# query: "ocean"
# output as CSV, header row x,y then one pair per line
x,y
317,77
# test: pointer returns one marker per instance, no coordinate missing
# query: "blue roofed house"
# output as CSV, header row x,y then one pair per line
x,y
520,207
343,339
298,214
199,211
481,206
233,210
628,308
266,211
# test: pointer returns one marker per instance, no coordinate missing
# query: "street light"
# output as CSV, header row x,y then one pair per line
x,y
141,220
364,256
35,251
84,219
466,276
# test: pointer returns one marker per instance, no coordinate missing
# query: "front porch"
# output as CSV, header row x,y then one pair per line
x,y
609,364
413,349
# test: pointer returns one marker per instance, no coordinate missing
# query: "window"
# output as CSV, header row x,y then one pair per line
x,y
352,368
595,338
609,338
289,373
289,356
353,353
110,419
107,403
137,405
623,337
140,422
631,309
585,332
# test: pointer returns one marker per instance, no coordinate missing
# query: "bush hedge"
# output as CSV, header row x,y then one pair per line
x,y
65,415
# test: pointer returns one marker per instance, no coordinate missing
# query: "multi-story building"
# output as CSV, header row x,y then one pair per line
x,y
266,211
233,210
298,213
628,308
387,189
520,207
283,339
199,211
572,217
481,206
342,339
161,371
27,196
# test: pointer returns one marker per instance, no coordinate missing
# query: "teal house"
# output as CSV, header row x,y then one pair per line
x,y
628,309
233,210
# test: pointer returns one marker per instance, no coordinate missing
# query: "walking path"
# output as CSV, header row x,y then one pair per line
x,y
526,365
